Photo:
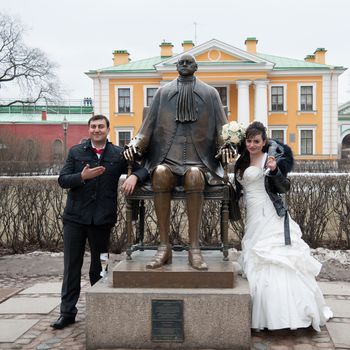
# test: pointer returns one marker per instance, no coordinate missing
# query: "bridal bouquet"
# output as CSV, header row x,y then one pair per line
x,y
233,133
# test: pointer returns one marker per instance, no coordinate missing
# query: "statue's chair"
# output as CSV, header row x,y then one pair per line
x,y
135,212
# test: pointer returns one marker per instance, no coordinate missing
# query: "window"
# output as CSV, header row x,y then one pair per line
x,y
306,142
278,135
277,98
123,136
30,150
306,94
307,97
278,132
150,92
124,100
57,151
222,90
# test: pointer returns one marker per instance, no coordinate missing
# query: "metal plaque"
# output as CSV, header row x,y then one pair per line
x,y
167,321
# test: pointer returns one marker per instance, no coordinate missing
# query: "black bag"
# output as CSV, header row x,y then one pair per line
x,y
233,207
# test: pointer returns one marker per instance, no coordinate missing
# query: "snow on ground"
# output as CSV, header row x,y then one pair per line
x,y
321,254
324,255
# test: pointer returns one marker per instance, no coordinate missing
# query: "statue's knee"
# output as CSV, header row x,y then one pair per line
x,y
194,180
163,180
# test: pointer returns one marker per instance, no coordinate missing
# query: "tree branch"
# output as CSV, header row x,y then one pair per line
x,y
23,69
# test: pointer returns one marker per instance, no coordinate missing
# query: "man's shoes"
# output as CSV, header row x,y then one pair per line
x,y
62,321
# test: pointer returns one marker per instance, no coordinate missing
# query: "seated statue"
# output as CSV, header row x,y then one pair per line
x,y
178,141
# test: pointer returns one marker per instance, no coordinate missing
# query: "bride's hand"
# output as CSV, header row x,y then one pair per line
x,y
271,163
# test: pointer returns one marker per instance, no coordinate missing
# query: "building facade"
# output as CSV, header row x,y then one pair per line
x,y
344,130
42,133
296,99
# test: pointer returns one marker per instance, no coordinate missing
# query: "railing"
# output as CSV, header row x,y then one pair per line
x,y
322,166
75,106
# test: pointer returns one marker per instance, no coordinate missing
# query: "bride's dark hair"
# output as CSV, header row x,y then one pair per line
x,y
254,128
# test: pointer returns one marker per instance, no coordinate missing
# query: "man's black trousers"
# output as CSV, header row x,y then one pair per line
x,y
74,238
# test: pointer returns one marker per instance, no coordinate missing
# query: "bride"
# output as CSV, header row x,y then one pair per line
x,y
277,262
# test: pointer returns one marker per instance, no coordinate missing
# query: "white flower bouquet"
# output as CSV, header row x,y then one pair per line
x,y
233,133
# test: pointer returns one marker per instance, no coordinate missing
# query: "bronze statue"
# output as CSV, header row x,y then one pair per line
x,y
179,139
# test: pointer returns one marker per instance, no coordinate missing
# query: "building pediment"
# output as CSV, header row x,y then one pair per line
x,y
344,109
216,55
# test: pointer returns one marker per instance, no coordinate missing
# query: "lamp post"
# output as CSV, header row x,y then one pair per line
x,y
65,128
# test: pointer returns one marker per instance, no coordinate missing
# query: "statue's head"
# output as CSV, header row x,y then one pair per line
x,y
186,65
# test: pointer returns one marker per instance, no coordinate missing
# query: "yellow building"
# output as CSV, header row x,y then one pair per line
x,y
297,99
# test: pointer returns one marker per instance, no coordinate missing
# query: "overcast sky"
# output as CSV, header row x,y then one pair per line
x,y
80,35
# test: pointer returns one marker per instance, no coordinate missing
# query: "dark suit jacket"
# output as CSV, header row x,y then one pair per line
x,y
94,201
159,126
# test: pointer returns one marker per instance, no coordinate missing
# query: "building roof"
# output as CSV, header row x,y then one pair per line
x,y
148,64
50,109
152,64
139,66
291,63
54,114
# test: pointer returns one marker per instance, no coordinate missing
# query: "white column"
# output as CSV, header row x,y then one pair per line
x,y
330,131
260,101
243,115
101,96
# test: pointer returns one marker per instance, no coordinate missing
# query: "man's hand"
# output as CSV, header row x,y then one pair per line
x,y
90,173
129,185
130,153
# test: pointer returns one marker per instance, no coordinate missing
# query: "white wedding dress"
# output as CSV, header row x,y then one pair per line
x,y
281,277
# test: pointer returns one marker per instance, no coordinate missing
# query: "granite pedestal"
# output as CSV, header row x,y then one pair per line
x,y
179,274
213,318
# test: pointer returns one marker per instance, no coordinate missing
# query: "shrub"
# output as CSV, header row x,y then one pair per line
x,y
31,215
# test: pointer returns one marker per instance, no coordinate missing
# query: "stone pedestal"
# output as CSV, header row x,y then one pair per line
x,y
179,274
213,318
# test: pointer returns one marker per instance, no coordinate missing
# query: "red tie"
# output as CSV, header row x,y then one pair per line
x,y
98,150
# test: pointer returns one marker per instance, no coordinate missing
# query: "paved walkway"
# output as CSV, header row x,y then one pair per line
x,y
29,304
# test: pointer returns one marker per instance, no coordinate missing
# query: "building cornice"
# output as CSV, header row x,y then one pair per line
x,y
222,68
110,75
306,72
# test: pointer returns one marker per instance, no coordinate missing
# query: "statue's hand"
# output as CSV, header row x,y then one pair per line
x,y
226,154
131,152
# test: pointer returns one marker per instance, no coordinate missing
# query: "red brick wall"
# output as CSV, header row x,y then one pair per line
x,y
45,135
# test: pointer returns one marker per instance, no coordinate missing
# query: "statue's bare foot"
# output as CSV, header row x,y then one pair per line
x,y
162,257
195,259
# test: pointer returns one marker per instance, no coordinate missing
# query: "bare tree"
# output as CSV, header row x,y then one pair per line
x,y
27,69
